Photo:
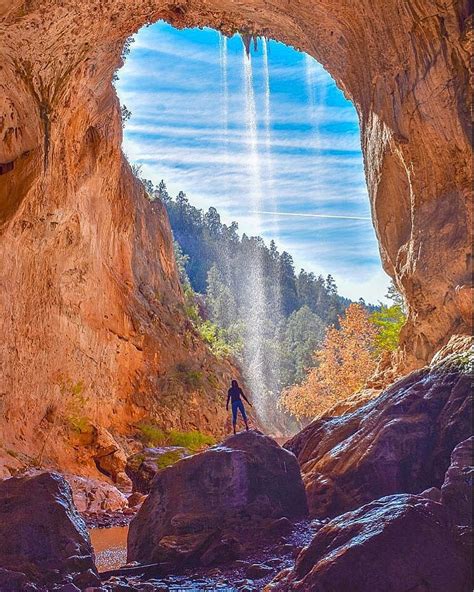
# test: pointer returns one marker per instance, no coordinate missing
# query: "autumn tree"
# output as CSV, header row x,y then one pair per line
x,y
342,366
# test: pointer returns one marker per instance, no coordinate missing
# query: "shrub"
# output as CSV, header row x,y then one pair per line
x,y
152,435
168,459
79,424
190,377
191,440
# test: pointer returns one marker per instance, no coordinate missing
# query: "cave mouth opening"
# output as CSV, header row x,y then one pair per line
x,y
259,134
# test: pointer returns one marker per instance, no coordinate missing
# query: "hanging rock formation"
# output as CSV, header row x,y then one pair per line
x,y
91,317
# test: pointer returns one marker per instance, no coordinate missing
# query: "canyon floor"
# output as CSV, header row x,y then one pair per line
x,y
376,499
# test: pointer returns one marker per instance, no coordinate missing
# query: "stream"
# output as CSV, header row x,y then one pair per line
x,y
110,547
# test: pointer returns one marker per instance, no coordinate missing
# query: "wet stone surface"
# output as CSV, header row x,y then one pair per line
x,y
261,564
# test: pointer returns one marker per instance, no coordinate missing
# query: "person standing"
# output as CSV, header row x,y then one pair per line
x,y
234,395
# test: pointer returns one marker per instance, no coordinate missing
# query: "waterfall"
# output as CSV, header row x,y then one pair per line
x,y
316,96
316,99
255,313
269,174
226,167
309,79
225,89
268,132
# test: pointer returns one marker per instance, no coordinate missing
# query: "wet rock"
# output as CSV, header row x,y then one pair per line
x,y
142,467
42,535
222,549
273,562
457,489
397,543
136,499
182,549
247,587
227,491
432,493
400,442
279,528
109,457
154,586
86,579
120,587
14,581
68,588
92,495
256,571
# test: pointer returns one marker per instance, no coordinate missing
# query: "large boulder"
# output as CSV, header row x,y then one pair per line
x,y
457,489
43,538
396,544
400,442
94,496
142,467
202,509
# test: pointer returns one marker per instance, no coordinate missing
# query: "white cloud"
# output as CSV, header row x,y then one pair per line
x,y
172,84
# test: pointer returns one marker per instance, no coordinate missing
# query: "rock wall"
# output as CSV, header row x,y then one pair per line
x,y
90,308
400,442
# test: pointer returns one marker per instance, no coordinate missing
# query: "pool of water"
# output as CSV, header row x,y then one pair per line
x,y
110,546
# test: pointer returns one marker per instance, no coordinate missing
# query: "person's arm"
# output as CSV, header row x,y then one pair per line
x,y
227,404
242,393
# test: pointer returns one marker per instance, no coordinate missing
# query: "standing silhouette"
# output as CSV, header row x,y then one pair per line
x,y
233,395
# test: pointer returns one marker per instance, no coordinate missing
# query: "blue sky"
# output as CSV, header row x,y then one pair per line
x,y
252,145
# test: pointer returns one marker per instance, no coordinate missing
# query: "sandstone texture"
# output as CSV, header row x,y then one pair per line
x,y
395,544
458,485
44,541
91,313
94,496
204,509
400,442
143,467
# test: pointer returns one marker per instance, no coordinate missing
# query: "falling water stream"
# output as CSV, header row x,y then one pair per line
x,y
267,119
255,319
225,96
316,100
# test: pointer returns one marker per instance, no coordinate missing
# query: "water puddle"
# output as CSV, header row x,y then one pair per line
x,y
110,547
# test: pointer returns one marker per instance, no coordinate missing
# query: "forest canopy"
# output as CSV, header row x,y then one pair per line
x,y
301,315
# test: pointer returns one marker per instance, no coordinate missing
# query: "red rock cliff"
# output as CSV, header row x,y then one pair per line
x,y
88,287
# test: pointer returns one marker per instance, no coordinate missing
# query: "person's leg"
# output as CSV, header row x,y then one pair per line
x,y
244,415
234,415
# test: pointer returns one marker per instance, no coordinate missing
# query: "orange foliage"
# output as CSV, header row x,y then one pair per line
x,y
343,366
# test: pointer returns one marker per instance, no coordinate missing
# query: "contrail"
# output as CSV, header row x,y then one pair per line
x,y
313,215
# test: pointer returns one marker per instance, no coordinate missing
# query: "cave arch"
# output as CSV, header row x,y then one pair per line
x,y
77,245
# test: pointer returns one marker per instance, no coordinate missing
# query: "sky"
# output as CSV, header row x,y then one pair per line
x,y
271,142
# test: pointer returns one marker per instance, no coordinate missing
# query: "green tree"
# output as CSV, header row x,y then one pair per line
x,y
395,296
303,334
220,299
389,320
162,193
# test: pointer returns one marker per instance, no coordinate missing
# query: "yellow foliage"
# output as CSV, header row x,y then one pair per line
x,y
343,366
